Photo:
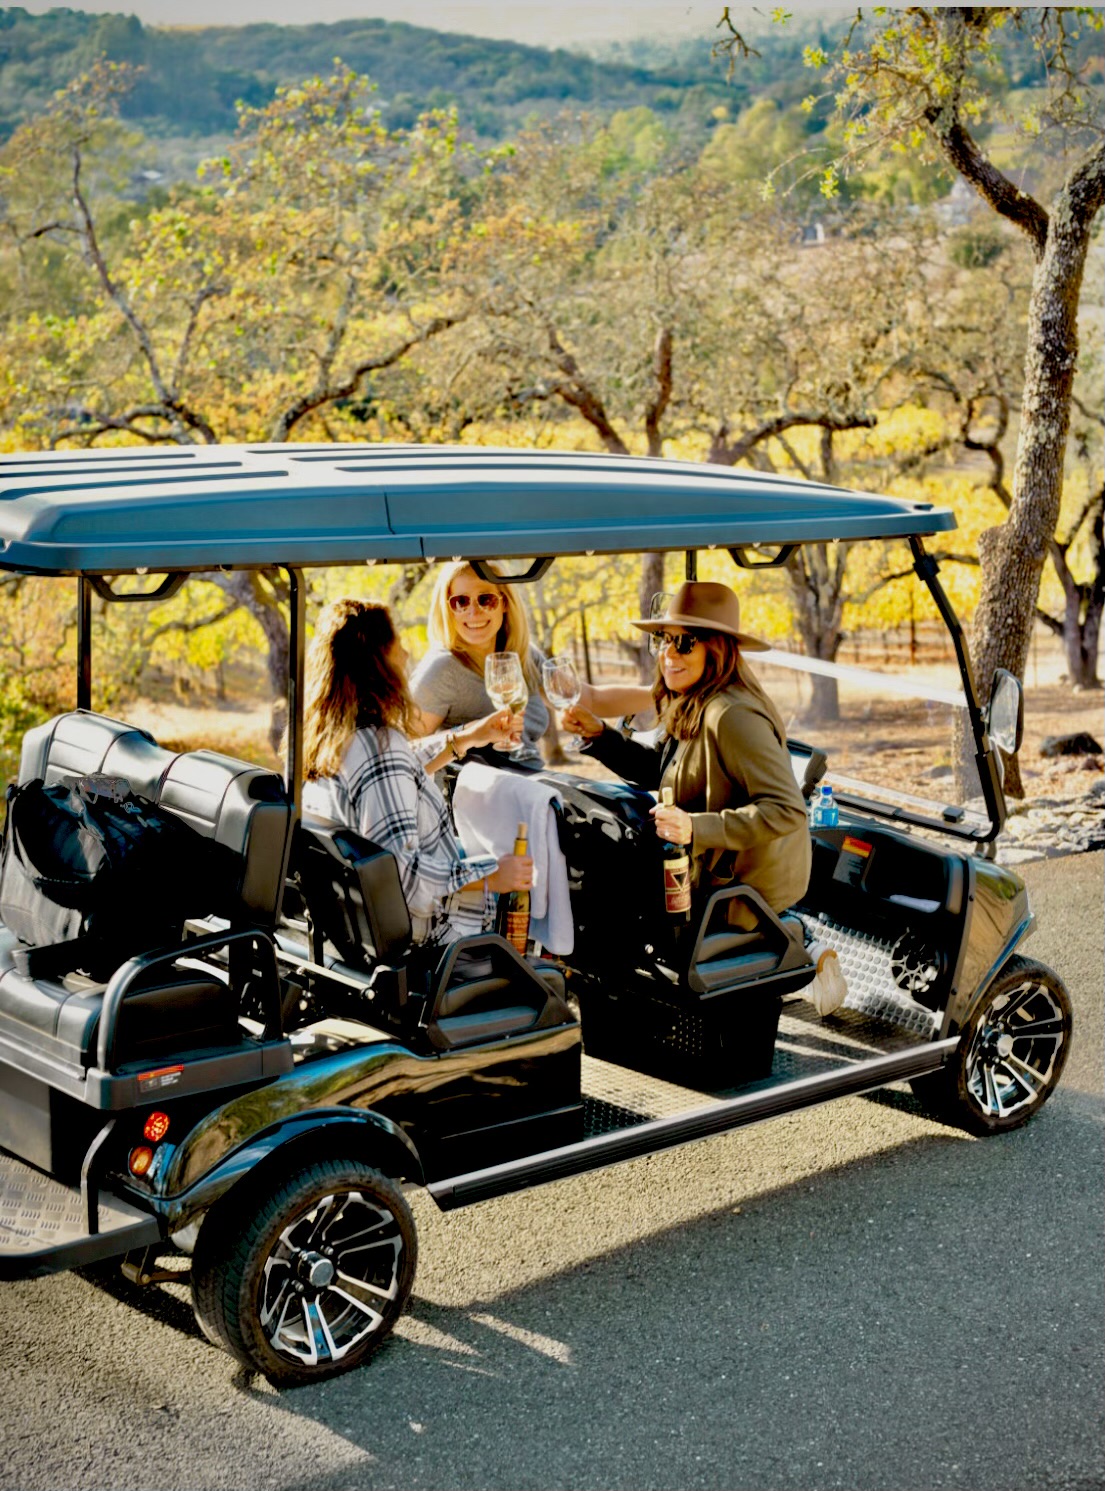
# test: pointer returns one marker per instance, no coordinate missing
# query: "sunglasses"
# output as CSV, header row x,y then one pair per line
x,y
487,600
683,644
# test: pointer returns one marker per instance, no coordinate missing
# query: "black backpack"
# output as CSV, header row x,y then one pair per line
x,y
91,874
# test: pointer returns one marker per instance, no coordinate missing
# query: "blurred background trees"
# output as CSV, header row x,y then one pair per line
x,y
675,266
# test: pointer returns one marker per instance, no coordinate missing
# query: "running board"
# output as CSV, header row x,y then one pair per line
x,y
665,1133
44,1225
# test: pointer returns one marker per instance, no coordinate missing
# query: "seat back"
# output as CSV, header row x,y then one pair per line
x,y
352,891
240,807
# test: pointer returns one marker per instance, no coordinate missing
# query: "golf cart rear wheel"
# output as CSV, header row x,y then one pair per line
x,y
310,1281
1010,1055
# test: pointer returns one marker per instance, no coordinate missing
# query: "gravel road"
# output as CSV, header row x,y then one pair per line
x,y
853,1296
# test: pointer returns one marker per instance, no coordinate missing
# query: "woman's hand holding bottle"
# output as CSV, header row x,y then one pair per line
x,y
672,823
515,872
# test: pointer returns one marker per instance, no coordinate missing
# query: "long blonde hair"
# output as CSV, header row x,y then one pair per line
x,y
681,714
513,634
350,683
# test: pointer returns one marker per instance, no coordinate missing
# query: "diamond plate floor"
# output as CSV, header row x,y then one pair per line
x,y
38,1212
871,986
616,1098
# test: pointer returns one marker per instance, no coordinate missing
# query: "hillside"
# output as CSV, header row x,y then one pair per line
x,y
193,76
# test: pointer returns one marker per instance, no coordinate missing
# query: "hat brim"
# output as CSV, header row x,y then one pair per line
x,y
696,624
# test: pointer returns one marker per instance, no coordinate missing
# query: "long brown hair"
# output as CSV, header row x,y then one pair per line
x,y
681,714
350,683
513,634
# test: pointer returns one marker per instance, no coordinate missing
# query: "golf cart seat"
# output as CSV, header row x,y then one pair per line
x,y
473,990
167,1002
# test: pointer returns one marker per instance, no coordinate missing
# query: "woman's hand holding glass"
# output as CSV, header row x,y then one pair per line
x,y
496,730
562,687
506,688
583,722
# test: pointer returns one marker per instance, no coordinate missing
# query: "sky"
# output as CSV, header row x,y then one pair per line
x,y
565,23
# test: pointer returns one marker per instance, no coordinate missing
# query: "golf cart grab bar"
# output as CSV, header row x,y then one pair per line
x,y
124,978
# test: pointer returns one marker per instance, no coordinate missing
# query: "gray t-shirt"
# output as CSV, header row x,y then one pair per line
x,y
441,684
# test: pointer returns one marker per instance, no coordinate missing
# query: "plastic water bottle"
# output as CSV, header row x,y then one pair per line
x,y
825,811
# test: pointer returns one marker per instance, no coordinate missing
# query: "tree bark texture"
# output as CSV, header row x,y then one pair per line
x,y
817,592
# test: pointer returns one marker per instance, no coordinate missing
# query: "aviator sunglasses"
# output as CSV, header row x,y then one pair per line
x,y
487,600
683,644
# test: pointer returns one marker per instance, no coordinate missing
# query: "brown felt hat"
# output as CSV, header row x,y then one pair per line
x,y
707,607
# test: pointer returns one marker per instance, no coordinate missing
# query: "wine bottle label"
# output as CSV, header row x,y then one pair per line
x,y
516,929
677,885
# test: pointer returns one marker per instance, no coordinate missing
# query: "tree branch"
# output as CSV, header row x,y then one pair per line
x,y
976,168
348,386
722,453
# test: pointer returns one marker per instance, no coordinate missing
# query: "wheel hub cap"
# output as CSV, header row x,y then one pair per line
x,y
319,1271
330,1278
1015,1051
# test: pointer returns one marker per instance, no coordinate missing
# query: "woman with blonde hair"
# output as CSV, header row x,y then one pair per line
x,y
470,619
360,768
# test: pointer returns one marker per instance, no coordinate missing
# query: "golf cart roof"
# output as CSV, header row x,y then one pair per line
x,y
100,512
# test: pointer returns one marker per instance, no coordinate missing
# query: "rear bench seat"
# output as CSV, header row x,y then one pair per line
x,y
49,1026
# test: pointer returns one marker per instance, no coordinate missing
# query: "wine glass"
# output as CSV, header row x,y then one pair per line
x,y
562,687
506,688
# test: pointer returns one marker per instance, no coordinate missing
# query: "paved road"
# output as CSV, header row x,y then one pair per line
x,y
853,1296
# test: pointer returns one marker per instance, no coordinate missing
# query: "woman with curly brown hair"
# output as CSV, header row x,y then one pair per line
x,y
361,769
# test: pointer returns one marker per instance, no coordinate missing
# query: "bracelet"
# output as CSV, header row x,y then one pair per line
x,y
451,742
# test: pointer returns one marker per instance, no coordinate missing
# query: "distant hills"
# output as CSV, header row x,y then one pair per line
x,y
194,76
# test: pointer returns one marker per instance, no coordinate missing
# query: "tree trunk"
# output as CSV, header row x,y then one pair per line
x,y
652,580
262,604
1012,556
816,591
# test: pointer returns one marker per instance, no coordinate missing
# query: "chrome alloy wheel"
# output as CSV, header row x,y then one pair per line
x,y
329,1277
1016,1050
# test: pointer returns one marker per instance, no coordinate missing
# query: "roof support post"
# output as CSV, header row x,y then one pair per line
x,y
297,646
84,642
985,758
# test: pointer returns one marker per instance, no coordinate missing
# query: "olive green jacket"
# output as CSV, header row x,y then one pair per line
x,y
735,780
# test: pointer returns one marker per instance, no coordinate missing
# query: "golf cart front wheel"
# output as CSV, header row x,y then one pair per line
x,y
310,1281
1010,1055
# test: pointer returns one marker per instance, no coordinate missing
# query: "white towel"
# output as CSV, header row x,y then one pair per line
x,y
488,805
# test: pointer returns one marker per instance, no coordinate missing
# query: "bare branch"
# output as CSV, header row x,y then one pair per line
x,y
348,386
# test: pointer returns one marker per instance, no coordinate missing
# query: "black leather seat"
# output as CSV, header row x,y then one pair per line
x,y
473,990
240,807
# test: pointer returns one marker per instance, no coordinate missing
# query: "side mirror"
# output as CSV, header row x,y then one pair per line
x,y
1005,712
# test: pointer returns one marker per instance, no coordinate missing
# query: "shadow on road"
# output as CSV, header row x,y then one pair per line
x,y
891,1319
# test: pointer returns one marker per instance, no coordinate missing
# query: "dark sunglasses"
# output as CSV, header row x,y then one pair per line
x,y
487,600
683,644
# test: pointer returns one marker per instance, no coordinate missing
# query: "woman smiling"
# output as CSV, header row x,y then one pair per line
x,y
722,749
470,619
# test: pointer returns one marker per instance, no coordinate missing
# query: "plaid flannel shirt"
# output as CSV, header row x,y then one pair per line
x,y
384,792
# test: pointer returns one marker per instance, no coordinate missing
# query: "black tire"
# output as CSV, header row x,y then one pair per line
x,y
311,1278
1010,1056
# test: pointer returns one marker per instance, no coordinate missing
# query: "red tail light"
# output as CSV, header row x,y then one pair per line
x,y
156,1127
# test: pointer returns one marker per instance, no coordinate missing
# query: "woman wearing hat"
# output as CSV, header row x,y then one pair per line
x,y
722,749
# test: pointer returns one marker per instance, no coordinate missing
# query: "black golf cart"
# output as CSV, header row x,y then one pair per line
x,y
262,1088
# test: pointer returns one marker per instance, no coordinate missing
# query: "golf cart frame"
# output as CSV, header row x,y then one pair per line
x,y
261,1091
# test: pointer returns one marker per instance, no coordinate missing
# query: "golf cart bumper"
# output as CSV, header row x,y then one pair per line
x,y
46,1226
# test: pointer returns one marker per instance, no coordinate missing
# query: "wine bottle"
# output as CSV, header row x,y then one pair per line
x,y
677,873
514,905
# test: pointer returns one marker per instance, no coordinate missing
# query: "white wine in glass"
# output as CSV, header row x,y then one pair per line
x,y
562,687
506,688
